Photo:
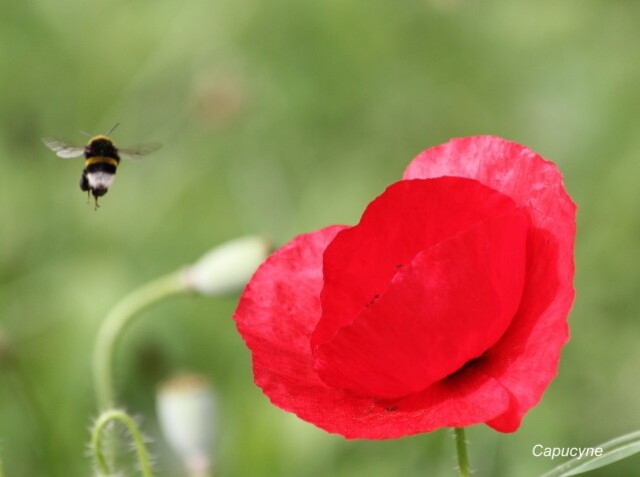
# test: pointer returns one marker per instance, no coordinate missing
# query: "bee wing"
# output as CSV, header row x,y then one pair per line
x,y
136,152
62,147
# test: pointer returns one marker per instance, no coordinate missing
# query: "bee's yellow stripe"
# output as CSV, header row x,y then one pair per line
x,y
100,159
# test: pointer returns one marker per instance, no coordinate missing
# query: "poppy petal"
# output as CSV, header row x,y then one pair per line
x,y
409,217
526,359
276,315
447,307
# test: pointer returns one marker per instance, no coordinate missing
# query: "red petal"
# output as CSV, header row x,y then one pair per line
x,y
410,216
276,315
280,307
446,308
525,360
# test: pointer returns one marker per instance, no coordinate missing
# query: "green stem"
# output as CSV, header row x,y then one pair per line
x,y
138,442
118,319
461,449
1,473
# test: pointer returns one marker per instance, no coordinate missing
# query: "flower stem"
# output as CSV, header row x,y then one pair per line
x,y
118,319
138,442
461,449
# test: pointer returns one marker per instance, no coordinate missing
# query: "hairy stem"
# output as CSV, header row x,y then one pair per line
x,y
118,319
97,442
461,450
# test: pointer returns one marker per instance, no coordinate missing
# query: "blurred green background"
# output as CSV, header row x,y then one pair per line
x,y
281,117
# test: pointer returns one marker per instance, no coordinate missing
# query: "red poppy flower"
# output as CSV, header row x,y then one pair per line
x,y
445,306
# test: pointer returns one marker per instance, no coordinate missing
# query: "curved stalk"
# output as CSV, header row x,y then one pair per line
x,y
118,319
103,420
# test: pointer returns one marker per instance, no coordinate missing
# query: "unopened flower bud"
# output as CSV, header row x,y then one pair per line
x,y
186,412
228,267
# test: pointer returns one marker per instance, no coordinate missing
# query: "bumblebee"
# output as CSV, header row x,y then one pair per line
x,y
101,160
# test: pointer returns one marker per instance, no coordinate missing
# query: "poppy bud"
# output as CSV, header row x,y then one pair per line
x,y
228,267
186,412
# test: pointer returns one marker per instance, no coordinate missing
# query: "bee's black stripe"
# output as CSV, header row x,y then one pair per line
x,y
101,166
101,160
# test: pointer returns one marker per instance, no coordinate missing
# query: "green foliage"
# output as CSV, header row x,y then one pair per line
x,y
278,118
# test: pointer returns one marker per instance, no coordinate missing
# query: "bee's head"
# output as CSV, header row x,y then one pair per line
x,y
100,146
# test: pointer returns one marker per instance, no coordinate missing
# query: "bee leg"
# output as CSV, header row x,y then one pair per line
x,y
84,184
97,206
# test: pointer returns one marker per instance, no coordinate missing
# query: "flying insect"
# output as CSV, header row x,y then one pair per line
x,y
101,160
